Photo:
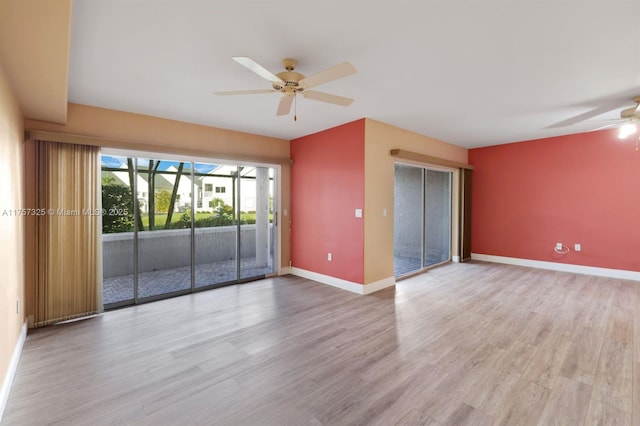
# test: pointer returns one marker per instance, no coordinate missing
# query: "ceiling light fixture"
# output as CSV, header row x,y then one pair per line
x,y
627,130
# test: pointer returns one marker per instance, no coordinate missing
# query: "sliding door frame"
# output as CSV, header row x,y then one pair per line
x,y
452,222
277,252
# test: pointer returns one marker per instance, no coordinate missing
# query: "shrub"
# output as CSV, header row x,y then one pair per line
x,y
116,199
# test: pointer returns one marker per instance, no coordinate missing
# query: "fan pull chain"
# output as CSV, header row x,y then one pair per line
x,y
295,107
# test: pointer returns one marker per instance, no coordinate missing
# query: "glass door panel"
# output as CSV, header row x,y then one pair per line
x,y
117,230
438,217
256,222
164,229
273,221
408,219
216,228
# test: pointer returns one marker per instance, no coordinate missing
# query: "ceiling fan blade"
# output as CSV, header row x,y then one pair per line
x,y
327,97
285,104
606,127
335,72
242,92
630,112
252,65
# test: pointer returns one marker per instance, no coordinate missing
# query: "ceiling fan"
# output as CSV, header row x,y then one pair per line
x,y
628,121
290,83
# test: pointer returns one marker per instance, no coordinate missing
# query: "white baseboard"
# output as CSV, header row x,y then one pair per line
x,y
564,267
329,280
285,270
379,285
344,284
11,372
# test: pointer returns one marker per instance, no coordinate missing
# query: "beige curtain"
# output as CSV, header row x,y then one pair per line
x,y
68,269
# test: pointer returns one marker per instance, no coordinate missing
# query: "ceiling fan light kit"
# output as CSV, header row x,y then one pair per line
x,y
627,124
627,130
291,83
630,117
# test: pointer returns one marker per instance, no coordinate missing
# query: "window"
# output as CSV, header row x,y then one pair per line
x,y
220,189
208,189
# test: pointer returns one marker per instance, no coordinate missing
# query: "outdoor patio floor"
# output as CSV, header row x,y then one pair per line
x,y
118,289
403,265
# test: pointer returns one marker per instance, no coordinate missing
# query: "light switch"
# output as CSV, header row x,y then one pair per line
x,y
358,212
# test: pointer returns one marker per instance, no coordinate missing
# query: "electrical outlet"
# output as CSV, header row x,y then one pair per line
x,y
577,247
329,257
558,246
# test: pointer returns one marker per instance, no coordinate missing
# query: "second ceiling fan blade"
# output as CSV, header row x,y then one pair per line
x,y
606,126
285,104
335,72
327,97
252,65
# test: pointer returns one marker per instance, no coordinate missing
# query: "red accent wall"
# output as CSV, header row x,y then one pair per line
x,y
582,188
327,185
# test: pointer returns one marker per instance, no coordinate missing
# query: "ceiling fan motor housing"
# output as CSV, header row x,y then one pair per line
x,y
291,81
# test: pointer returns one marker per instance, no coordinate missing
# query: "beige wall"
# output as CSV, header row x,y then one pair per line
x,y
142,132
380,138
11,227
117,129
34,49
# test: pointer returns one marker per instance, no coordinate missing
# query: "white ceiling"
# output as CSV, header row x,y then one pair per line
x,y
469,72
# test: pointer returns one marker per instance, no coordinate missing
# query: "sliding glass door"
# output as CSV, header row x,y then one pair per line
x,y
256,221
408,217
118,223
183,226
422,218
164,227
437,218
216,230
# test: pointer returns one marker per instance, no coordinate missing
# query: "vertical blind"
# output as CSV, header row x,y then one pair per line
x,y
68,270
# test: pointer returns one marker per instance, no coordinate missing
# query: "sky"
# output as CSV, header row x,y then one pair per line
x,y
115,161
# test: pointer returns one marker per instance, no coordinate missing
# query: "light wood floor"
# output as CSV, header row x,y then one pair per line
x,y
462,344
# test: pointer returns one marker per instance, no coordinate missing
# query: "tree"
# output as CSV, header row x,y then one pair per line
x,y
130,170
151,180
174,195
216,202
163,199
